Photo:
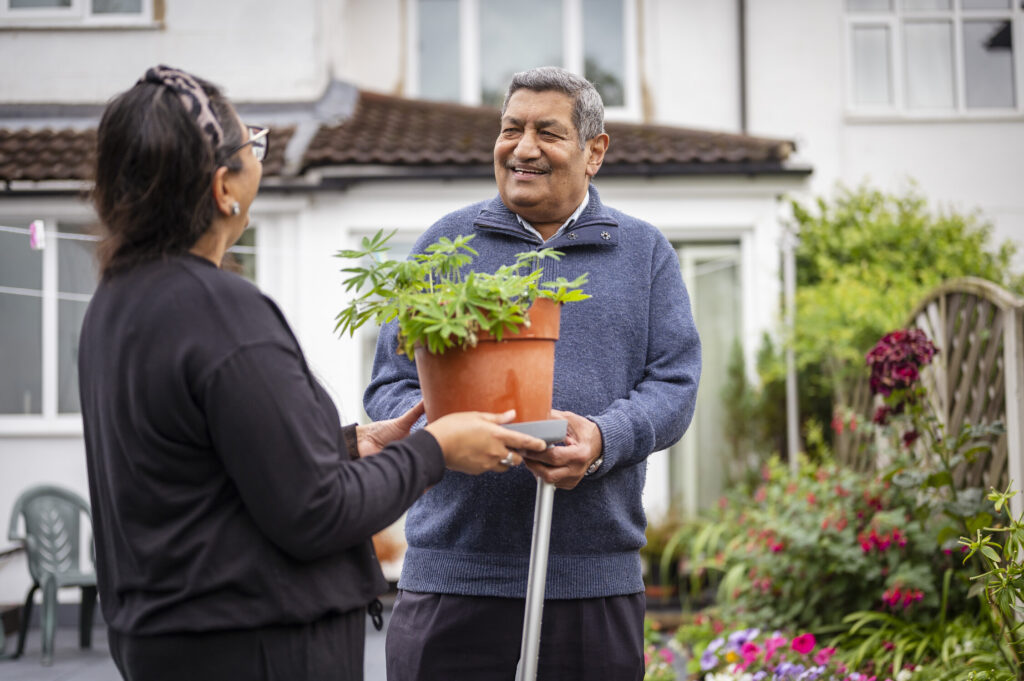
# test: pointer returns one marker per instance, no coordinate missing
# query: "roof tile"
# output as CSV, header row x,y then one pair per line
x,y
46,154
393,131
388,130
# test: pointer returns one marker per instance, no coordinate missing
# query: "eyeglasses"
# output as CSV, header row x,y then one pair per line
x,y
259,138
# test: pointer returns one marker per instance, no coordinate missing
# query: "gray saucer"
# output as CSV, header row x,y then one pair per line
x,y
551,431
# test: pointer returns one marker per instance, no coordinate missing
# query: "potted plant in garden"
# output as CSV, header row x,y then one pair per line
x,y
481,341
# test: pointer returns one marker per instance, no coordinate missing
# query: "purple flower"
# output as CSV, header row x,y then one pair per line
x,y
812,673
787,670
708,660
738,638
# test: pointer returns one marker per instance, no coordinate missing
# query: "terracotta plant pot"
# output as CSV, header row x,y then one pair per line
x,y
515,373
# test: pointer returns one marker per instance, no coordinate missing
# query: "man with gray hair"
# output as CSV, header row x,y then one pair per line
x,y
627,365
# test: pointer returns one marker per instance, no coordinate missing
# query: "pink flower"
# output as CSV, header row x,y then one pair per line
x,y
803,644
824,655
667,655
773,644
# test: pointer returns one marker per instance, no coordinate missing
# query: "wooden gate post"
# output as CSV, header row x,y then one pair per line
x,y
1013,365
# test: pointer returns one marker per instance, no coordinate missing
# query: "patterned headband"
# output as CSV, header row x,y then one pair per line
x,y
192,97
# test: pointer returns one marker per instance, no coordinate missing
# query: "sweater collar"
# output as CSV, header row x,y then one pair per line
x,y
595,226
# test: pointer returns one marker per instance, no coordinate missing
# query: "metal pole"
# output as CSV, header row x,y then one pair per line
x,y
792,405
542,512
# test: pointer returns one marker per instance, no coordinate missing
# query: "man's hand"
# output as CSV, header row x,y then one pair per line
x,y
375,436
564,466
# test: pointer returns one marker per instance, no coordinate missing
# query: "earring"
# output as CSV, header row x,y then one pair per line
x,y
235,208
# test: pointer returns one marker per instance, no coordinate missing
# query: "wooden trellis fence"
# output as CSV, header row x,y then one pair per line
x,y
977,377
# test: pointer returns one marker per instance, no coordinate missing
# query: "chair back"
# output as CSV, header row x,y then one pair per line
x,y
52,517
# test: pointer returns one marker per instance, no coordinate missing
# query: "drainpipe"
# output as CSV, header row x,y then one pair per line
x,y
741,10
792,403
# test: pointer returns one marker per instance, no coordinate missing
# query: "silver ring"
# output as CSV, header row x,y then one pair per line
x,y
508,461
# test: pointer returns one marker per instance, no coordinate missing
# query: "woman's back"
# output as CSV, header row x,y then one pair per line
x,y
181,364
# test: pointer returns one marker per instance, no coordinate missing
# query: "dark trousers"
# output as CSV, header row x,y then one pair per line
x,y
437,637
328,649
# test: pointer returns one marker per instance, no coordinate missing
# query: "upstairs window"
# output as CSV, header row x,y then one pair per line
x,y
467,50
934,57
76,13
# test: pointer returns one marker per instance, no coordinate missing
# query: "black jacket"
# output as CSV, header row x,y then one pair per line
x,y
223,493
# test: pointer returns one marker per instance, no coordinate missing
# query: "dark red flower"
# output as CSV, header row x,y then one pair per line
x,y
896,359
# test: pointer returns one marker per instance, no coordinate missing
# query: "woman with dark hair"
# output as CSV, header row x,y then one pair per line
x,y
232,512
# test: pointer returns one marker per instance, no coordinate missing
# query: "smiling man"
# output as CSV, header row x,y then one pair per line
x,y
627,365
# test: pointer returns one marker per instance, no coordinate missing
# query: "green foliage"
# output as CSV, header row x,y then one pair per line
x,y
864,261
438,302
867,258
1002,587
658,658
803,551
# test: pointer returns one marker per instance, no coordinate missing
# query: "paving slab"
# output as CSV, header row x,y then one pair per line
x,y
70,663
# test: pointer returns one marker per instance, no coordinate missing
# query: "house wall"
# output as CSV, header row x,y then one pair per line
x,y
257,49
796,61
797,77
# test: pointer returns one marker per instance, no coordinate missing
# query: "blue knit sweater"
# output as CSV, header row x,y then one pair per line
x,y
628,359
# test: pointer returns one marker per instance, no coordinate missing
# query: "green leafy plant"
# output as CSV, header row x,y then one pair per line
x,y
864,259
803,551
925,459
661,658
438,301
1002,587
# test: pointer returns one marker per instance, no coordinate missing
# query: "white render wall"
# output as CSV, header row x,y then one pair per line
x,y
796,89
255,49
798,81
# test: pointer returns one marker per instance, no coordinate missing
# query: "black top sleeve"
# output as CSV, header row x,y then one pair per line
x,y
268,423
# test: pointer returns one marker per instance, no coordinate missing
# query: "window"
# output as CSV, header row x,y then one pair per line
x,y
467,50
59,13
43,298
700,462
934,57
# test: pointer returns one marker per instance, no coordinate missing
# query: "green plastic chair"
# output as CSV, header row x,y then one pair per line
x,y
52,520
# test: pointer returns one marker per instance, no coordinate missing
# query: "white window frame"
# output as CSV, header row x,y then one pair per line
x,y
78,15
50,421
572,53
895,20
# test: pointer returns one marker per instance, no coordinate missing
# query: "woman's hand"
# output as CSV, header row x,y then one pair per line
x,y
474,442
375,436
